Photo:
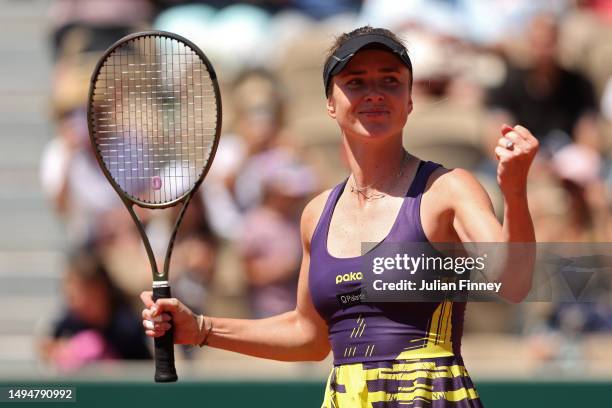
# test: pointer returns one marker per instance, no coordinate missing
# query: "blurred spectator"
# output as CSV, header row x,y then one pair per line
x,y
545,97
234,183
244,29
494,22
194,256
98,323
318,9
579,169
322,9
69,172
601,8
270,243
93,25
72,179
271,6
481,22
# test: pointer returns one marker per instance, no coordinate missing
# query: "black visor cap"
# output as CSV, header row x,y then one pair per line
x,y
343,55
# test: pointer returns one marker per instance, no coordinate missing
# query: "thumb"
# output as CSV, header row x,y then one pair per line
x,y
147,298
165,305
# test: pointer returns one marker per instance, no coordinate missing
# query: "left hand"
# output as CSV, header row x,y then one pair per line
x,y
515,152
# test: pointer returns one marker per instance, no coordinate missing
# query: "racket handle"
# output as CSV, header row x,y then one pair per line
x,y
164,345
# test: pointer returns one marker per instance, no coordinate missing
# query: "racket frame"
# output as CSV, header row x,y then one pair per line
x,y
161,287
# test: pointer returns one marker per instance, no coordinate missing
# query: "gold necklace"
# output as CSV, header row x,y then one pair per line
x,y
375,196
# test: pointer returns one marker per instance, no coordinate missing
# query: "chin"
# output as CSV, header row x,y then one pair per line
x,y
376,134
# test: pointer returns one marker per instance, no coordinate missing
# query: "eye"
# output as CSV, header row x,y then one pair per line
x,y
355,82
391,80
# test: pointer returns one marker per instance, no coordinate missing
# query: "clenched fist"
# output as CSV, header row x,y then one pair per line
x,y
515,151
158,316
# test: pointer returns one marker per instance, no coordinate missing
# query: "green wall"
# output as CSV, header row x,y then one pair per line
x,y
308,394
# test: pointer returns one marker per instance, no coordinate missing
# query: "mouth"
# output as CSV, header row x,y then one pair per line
x,y
374,112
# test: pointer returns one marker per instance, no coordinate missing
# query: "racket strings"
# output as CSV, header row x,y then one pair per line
x,y
154,118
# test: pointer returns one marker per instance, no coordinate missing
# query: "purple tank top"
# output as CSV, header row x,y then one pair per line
x,y
383,330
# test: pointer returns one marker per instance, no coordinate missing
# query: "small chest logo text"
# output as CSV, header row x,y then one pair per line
x,y
349,277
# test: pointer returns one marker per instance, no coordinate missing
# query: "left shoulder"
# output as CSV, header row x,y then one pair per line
x,y
454,183
456,186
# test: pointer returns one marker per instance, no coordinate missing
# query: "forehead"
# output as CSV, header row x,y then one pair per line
x,y
373,60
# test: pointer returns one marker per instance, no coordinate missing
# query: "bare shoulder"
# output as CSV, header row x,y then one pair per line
x,y
450,185
312,213
450,193
457,180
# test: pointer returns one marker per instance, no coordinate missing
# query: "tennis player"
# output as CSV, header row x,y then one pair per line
x,y
383,356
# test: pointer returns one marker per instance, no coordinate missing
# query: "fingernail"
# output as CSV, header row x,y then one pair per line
x,y
149,324
154,309
157,318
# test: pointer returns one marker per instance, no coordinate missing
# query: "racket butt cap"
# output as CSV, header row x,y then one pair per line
x,y
166,377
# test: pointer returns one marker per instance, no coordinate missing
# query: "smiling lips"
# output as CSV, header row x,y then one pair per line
x,y
374,112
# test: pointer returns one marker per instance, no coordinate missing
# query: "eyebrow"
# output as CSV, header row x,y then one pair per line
x,y
362,72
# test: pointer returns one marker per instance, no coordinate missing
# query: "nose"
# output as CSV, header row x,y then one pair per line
x,y
374,94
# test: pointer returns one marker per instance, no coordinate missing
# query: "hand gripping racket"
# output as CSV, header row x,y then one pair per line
x,y
154,116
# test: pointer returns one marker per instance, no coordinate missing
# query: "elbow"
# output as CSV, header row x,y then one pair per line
x,y
514,299
320,355
516,295
316,350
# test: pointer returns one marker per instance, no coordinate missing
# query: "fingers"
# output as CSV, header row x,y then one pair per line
x,y
502,153
147,314
155,329
147,298
519,133
505,129
170,305
523,132
517,139
506,142
155,326
157,315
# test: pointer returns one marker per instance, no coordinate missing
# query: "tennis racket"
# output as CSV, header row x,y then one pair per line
x,y
154,116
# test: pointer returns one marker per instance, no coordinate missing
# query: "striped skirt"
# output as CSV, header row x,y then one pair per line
x,y
433,382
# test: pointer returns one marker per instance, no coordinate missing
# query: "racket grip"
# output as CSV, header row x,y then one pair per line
x,y
164,345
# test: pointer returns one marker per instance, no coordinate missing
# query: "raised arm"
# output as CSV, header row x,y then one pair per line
x,y
298,335
472,219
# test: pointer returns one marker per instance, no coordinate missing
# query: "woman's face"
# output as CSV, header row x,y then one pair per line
x,y
371,97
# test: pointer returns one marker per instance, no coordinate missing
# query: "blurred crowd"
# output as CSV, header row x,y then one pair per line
x,y
477,64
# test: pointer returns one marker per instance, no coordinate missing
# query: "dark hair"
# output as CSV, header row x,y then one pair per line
x,y
343,38
86,265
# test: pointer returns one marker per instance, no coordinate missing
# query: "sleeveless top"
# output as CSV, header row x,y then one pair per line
x,y
380,331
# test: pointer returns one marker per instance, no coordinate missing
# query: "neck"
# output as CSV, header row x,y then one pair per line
x,y
375,164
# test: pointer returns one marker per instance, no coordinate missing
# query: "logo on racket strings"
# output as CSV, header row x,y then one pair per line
x,y
156,183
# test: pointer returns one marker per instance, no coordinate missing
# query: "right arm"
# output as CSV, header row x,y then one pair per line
x,y
298,335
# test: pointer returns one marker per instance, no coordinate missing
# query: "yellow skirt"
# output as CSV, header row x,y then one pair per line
x,y
433,382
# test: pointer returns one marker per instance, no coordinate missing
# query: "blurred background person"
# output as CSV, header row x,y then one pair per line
x,y
69,172
98,323
258,140
553,101
270,243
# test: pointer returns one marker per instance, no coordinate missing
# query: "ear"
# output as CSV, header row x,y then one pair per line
x,y
331,107
410,106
